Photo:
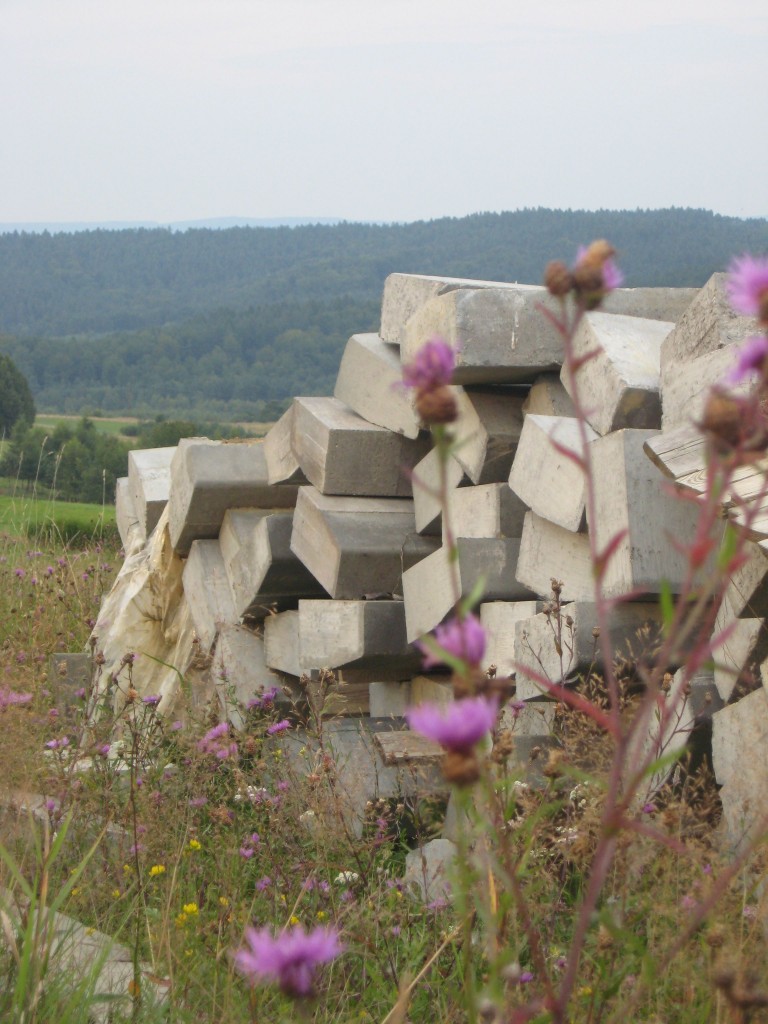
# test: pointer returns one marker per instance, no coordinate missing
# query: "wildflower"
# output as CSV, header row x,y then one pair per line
x,y
104,750
190,909
11,698
58,744
526,977
593,276
747,286
152,700
289,959
156,869
214,742
278,727
459,726
459,638
750,358
264,883
20,573
429,374
293,921
116,894
195,844
321,915
346,877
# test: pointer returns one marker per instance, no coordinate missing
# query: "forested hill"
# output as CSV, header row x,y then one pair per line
x,y
230,323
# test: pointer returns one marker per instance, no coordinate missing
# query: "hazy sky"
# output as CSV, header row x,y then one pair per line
x,y
379,109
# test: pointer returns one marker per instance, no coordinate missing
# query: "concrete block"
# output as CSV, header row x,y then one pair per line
x,y
487,433
739,731
708,324
263,572
548,551
129,526
209,477
685,386
560,651
208,591
485,511
370,382
548,397
240,671
543,475
282,464
426,481
498,619
428,690
747,592
341,453
630,496
746,639
427,869
356,547
149,477
429,586
619,386
389,699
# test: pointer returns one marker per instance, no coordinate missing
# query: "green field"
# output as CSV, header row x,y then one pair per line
x,y
36,517
49,421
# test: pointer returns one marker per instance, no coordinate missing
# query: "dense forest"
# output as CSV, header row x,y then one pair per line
x,y
231,323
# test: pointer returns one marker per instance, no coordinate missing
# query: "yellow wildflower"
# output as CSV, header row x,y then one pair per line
x,y
195,845
156,869
181,920
116,894
223,901
294,920
321,915
190,909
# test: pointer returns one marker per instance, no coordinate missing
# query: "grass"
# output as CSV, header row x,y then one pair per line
x,y
38,518
105,425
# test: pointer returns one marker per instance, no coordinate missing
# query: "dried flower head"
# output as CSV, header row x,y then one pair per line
x,y
747,286
429,374
290,959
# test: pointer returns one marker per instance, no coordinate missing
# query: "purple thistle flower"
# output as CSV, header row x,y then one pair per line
x,y
432,367
10,698
152,700
278,727
749,359
526,977
290,958
612,276
20,573
747,285
459,726
460,638
264,883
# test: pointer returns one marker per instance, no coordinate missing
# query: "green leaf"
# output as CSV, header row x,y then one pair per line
x,y
667,606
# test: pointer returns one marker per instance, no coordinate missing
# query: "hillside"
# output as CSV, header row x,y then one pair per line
x,y
231,323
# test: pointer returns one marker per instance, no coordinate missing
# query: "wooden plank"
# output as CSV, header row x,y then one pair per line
x,y
678,452
406,745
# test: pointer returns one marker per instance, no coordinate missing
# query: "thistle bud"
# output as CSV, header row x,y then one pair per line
x,y
558,279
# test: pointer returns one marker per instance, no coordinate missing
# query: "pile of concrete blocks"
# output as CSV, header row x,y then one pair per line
x,y
255,564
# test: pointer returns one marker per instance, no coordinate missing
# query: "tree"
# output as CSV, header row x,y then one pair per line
x,y
16,402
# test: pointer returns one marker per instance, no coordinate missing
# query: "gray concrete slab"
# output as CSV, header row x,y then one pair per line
x,y
208,591
370,383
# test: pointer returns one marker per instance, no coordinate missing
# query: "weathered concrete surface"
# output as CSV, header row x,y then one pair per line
x,y
364,638
685,386
370,382
498,619
356,547
619,385
263,572
740,644
341,453
543,475
240,672
208,591
129,526
429,586
209,477
550,552
427,869
149,477
739,736
561,650
282,464
427,485
389,699
747,591
548,397
486,511
487,432
708,324
630,496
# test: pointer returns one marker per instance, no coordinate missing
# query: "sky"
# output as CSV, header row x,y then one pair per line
x,y
379,110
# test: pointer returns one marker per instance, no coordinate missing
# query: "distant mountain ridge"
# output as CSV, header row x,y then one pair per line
x,y
231,323
213,223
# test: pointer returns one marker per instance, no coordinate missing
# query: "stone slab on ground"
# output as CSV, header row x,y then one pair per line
x,y
630,496
209,477
341,453
498,619
738,732
208,591
357,547
262,570
544,476
560,649
370,382
428,587
550,552
149,477
619,386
